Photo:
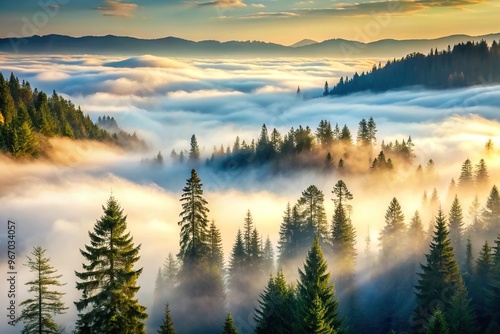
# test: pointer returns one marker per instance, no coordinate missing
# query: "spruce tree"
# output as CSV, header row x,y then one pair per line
x,y
167,326
314,284
194,151
468,268
290,241
460,316
344,242
268,257
108,281
493,289
38,312
491,213
466,180
215,252
481,176
391,237
439,277
276,313
437,324
201,286
229,327
476,225
456,228
313,214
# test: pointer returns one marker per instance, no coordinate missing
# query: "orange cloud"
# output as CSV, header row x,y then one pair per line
x,y
117,8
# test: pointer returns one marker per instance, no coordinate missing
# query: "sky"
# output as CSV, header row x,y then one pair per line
x,y
278,21
166,100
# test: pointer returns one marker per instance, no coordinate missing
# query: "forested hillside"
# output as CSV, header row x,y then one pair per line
x,y
29,117
463,65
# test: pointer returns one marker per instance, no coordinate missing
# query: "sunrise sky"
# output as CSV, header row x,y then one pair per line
x,y
279,21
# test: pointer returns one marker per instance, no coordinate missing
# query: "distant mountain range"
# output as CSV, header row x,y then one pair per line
x,y
172,46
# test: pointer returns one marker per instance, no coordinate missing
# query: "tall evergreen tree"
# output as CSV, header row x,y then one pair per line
x,y
460,316
439,277
201,286
482,279
108,281
290,241
456,228
475,212
276,313
343,241
313,214
229,327
314,287
38,312
466,180
437,324
493,289
167,326
268,257
391,237
491,213
215,252
194,151
481,176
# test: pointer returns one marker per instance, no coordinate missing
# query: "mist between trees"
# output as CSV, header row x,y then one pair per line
x,y
436,269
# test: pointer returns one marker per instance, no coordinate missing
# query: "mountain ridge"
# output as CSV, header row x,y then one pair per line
x,y
175,46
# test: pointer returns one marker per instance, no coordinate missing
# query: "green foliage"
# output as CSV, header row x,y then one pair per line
x,y
314,287
493,288
439,277
312,212
276,313
456,228
491,213
437,324
37,312
108,280
460,316
229,327
167,327
466,64
391,237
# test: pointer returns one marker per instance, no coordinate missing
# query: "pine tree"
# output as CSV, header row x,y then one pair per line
x,y
439,277
363,135
237,265
215,252
345,136
493,289
315,284
460,316
468,268
289,244
229,327
201,285
481,177
476,225
437,324
312,211
481,280
343,242
491,213
194,151
167,326
108,282
315,322
268,257
416,234
38,312
466,180
276,313
391,237
372,131
456,228
194,222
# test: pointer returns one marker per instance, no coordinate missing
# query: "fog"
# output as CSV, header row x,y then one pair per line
x,y
56,200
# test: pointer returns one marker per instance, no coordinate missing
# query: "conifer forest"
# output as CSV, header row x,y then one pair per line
x,y
192,194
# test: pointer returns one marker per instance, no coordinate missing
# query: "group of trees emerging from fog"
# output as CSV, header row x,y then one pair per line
x,y
422,280
465,64
28,117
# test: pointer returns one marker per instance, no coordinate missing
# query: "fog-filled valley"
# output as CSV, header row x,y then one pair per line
x,y
56,199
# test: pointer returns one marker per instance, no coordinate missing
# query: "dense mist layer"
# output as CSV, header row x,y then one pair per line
x,y
166,100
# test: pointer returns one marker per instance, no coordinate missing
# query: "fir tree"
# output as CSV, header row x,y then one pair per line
x,y
38,312
456,228
229,327
468,269
476,225
491,213
437,324
481,177
194,222
215,252
466,180
167,326
493,289
482,279
343,241
276,313
312,211
439,277
314,284
460,316
194,151
393,232
108,282
268,257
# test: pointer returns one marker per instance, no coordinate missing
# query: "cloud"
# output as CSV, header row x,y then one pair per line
x,y
262,15
258,5
223,3
117,8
